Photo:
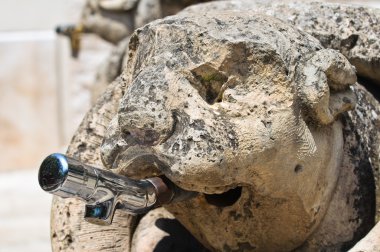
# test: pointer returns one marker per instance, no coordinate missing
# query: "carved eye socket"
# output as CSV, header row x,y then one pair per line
x,y
208,81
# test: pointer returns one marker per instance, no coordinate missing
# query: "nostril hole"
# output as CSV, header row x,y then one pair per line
x,y
298,168
141,136
128,137
224,199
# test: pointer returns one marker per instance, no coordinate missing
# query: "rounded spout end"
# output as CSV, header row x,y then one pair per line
x,y
53,172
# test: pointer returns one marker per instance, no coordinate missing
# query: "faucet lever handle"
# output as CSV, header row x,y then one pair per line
x,y
101,213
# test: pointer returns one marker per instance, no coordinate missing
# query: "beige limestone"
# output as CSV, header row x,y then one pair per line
x,y
69,231
114,21
160,230
351,29
225,109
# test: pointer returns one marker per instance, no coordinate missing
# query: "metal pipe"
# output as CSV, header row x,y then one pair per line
x,y
104,191
74,33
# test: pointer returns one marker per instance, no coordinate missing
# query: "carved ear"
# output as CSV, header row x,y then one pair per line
x,y
323,84
117,5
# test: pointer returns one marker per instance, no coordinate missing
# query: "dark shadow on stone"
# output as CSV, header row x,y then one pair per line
x,y
372,86
224,199
178,240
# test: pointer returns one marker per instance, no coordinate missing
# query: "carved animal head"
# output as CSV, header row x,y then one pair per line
x,y
114,20
243,109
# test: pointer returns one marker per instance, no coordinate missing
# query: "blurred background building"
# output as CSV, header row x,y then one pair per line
x,y
44,94
43,91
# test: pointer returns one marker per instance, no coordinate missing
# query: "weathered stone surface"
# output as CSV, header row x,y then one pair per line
x,y
114,21
69,231
355,191
218,101
159,231
365,123
353,30
357,39
230,101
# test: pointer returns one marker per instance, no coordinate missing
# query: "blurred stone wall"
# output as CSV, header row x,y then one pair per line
x,y
43,91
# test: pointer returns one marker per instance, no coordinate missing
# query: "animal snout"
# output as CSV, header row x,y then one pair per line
x,y
145,128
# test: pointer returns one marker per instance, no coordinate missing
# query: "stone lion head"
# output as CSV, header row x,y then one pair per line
x,y
243,109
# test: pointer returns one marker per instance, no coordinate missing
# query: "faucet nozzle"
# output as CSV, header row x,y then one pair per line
x,y
104,191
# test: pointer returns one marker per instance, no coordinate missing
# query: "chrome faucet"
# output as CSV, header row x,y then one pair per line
x,y
104,191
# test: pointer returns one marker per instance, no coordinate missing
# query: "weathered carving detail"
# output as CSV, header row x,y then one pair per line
x,y
251,113
353,30
114,21
266,110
